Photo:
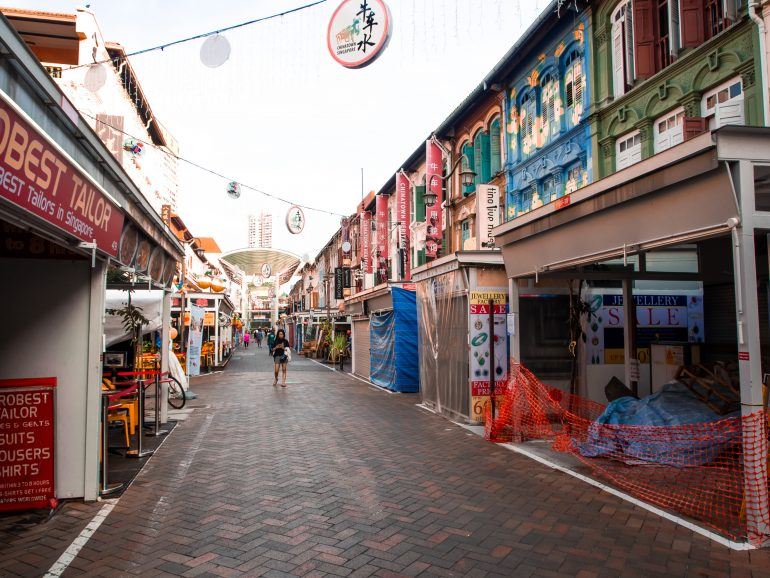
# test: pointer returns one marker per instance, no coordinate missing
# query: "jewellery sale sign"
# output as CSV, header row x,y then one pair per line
x,y
487,362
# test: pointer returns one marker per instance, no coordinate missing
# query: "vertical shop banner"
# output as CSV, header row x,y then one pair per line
x,y
487,215
366,241
434,165
382,236
339,283
403,210
194,340
27,443
482,367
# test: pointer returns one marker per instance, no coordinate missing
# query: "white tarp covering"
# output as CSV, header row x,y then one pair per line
x,y
151,303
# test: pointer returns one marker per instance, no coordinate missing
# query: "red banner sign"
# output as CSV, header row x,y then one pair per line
x,y
26,444
382,235
366,241
39,178
434,166
403,196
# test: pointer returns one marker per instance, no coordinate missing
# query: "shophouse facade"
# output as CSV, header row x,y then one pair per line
x,y
672,211
109,96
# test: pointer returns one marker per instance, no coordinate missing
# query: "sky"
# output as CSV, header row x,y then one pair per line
x,y
281,116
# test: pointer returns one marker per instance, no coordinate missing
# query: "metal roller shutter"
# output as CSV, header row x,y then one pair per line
x,y
361,360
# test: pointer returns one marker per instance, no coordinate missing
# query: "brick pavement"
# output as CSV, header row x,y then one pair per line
x,y
330,477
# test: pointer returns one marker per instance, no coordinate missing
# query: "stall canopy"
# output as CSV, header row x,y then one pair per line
x,y
150,302
394,351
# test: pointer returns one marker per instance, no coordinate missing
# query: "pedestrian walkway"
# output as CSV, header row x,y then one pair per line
x,y
331,476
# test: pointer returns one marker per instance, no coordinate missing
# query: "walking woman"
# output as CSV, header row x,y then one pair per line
x,y
280,357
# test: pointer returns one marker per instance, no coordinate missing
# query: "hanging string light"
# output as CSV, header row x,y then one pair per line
x,y
241,185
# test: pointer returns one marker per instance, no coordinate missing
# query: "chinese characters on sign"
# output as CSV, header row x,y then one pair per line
x,y
403,194
382,237
295,220
27,443
366,241
433,218
358,32
37,177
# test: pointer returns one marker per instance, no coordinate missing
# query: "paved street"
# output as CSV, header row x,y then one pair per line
x,y
332,477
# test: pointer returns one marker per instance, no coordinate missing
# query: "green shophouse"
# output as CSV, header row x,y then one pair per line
x,y
667,70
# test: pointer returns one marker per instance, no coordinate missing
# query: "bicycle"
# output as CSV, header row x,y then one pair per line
x,y
176,396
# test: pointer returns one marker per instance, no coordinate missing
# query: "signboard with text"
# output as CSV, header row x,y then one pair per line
x,y
434,166
675,317
403,210
382,235
484,366
194,341
37,176
366,241
27,443
487,214
358,32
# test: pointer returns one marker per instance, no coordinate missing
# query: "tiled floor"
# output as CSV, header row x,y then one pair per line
x,y
332,477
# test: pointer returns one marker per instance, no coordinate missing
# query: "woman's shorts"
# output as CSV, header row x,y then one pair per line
x,y
280,359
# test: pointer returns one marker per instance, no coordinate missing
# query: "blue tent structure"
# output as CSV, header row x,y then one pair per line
x,y
395,354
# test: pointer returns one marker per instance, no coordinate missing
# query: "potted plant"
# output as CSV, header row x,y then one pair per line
x,y
337,347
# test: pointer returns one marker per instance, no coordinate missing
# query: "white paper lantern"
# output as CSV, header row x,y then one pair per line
x,y
95,77
215,51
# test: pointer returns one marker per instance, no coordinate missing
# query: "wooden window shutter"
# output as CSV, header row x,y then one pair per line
x,y
644,37
495,152
628,32
419,204
486,160
693,23
478,158
693,126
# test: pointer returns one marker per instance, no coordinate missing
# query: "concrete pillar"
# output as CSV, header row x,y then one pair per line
x,y
629,336
164,351
749,356
94,380
514,309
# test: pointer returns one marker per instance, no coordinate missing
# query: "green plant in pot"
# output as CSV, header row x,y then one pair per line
x,y
337,347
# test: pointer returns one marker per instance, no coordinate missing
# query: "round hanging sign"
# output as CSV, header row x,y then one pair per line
x,y
346,247
258,281
358,32
215,51
295,220
267,270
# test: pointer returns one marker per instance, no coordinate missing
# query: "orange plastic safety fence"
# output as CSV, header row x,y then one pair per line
x,y
714,473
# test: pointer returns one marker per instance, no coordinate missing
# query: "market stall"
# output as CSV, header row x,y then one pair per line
x,y
462,305
217,330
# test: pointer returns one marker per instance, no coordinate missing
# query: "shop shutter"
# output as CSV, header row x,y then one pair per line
x,y
361,348
693,23
674,40
730,112
644,35
693,126
618,74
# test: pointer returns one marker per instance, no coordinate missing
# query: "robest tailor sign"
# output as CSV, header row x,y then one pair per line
x,y
37,176
27,443
359,30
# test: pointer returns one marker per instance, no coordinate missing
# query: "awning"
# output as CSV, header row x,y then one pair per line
x,y
652,206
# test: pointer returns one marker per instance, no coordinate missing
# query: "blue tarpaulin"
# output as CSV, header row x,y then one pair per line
x,y
382,346
393,344
407,350
648,430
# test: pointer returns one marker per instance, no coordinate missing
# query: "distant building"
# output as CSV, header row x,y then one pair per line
x,y
261,230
